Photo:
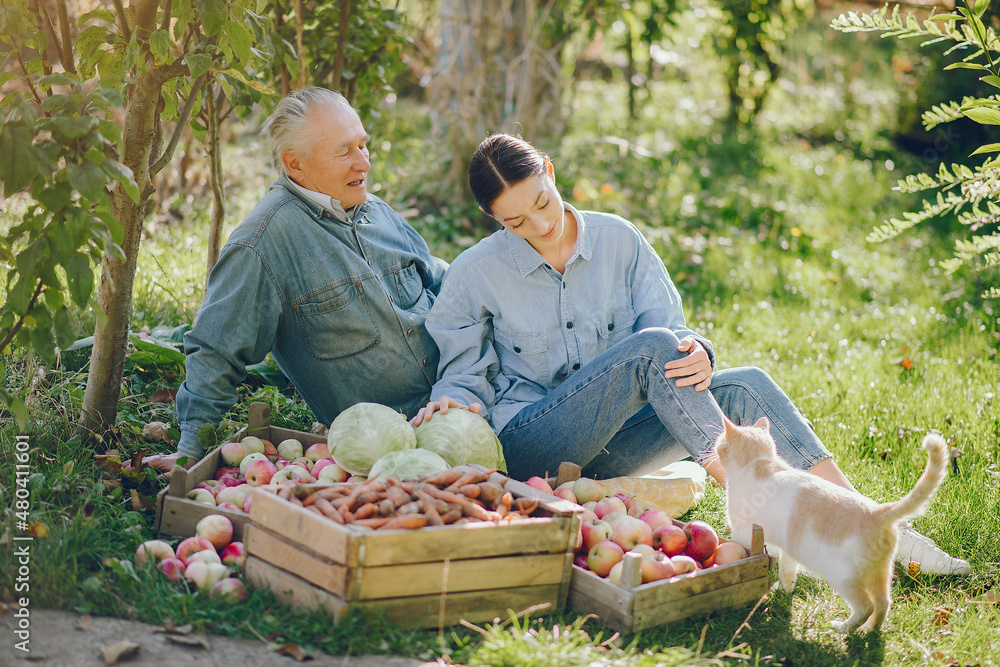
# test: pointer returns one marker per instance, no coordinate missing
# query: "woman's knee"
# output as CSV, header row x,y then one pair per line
x,y
657,339
751,378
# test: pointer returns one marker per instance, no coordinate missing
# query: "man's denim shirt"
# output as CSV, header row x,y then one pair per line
x,y
510,328
340,302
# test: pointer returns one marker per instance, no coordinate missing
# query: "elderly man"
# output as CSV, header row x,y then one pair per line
x,y
323,275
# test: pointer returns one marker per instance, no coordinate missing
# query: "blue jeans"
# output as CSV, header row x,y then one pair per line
x,y
619,416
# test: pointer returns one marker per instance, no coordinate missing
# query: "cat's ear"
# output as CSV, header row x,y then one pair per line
x,y
762,423
731,428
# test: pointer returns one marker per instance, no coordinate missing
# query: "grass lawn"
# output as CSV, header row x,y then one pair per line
x,y
764,233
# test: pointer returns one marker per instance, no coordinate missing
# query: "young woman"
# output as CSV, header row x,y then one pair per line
x,y
566,332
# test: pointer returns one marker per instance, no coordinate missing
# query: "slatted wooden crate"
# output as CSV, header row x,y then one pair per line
x,y
631,606
428,577
176,515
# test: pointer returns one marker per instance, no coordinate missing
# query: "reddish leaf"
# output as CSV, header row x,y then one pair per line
x,y
293,651
163,396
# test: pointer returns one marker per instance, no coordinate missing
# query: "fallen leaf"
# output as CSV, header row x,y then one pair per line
x,y
123,650
108,462
157,432
137,458
38,529
941,615
84,623
141,502
163,396
293,651
185,629
190,640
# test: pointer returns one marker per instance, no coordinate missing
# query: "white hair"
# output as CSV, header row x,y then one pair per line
x,y
287,127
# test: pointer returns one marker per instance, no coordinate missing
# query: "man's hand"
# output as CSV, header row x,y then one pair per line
x,y
425,413
695,368
163,462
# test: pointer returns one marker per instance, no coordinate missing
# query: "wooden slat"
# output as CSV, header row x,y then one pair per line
x,y
277,434
180,516
678,590
585,585
420,611
270,548
646,616
316,533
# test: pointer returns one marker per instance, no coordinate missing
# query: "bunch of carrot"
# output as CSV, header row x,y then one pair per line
x,y
454,496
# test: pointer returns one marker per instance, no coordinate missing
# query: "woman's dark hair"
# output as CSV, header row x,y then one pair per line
x,y
501,161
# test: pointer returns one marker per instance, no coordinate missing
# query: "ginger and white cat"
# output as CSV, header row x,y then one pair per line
x,y
835,533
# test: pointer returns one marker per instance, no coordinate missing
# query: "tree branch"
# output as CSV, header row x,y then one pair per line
x,y
168,9
123,20
338,60
17,325
182,120
67,38
28,80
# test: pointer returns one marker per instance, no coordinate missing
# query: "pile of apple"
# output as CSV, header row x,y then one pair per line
x,y
613,525
254,462
209,559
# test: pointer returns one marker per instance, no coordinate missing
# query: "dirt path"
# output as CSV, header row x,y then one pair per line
x,y
55,639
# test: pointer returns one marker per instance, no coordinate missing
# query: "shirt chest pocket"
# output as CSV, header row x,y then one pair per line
x,y
614,327
336,323
523,355
409,286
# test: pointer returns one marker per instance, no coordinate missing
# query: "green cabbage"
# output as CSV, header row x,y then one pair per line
x,y
408,464
461,437
364,433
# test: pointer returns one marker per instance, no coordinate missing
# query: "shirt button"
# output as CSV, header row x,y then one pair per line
x,y
425,362
611,327
576,367
409,332
569,325
517,349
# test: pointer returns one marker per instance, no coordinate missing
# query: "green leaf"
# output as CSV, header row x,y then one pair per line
x,y
50,80
988,148
984,115
150,352
992,79
80,276
44,344
64,328
18,166
16,407
236,36
213,15
159,44
207,437
54,197
80,344
88,179
101,13
68,128
256,85
981,6
198,63
965,65
123,174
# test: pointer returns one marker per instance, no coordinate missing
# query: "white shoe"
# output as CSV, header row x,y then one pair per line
x,y
915,548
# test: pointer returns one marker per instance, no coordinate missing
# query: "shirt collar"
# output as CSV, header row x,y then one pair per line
x,y
528,259
327,202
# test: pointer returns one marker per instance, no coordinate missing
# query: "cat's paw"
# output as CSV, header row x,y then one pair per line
x,y
840,626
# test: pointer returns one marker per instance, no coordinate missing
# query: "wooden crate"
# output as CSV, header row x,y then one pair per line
x,y
429,577
631,606
176,515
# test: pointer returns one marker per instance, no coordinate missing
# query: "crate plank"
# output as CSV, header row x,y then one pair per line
x,y
427,611
705,603
697,583
326,574
304,527
180,516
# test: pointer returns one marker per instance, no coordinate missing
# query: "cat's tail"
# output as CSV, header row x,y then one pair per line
x,y
916,500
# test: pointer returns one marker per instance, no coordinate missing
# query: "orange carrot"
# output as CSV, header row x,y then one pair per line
x,y
451,516
374,522
366,511
408,521
470,490
468,477
443,478
527,505
433,518
490,492
329,510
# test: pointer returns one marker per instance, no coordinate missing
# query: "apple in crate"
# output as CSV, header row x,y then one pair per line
x,y
172,568
234,494
229,590
683,564
626,499
250,458
656,518
155,550
193,545
594,532
270,451
703,540
331,471
670,539
233,554
537,482
317,451
603,556
215,528
629,531
229,506
253,444
655,567
201,496
608,505
234,452
643,550
586,490
260,473
213,485
729,552
290,449
205,575
580,560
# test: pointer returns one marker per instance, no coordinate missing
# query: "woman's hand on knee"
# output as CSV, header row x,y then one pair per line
x,y
442,406
695,368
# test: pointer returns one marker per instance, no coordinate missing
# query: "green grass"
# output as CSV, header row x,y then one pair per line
x,y
763,233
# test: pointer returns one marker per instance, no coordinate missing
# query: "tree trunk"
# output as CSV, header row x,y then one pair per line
x,y
214,102
496,73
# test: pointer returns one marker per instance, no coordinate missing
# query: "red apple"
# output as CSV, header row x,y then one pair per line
x,y
594,532
229,590
670,539
587,515
233,453
172,568
213,485
216,528
629,531
205,556
636,510
205,575
565,494
247,501
703,540
233,554
231,479
729,552
226,470
683,564
626,499
537,482
580,560
229,506
317,451
656,518
270,451
259,473
250,458
603,556
332,472
587,490
656,566
153,550
608,505
191,546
